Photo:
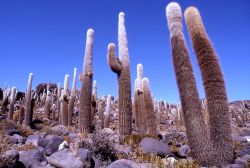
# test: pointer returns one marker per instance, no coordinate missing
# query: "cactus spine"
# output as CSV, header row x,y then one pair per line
x,y
28,103
121,67
86,85
213,81
139,105
12,103
149,107
64,102
194,120
72,98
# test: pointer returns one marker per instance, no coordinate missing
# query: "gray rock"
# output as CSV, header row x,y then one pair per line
x,y
9,158
242,160
19,138
12,139
52,144
150,145
234,166
60,130
184,150
32,158
86,157
123,163
123,149
63,159
34,139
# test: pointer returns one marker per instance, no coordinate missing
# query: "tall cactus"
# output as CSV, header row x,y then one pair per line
x,y
86,85
12,103
197,134
139,105
149,107
121,67
213,81
72,98
64,102
94,100
28,103
101,106
58,101
21,115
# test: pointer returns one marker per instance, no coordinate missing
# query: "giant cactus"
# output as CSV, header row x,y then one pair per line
x,y
12,103
64,102
197,134
48,102
28,103
149,107
121,67
139,104
86,85
213,81
107,113
72,98
58,103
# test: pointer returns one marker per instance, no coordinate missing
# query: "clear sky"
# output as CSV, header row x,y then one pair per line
x,y
47,37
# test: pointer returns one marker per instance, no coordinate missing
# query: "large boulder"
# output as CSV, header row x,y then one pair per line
x,y
32,158
60,130
64,159
33,139
150,145
86,157
19,138
52,144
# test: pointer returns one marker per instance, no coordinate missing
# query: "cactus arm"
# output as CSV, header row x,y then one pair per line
x,y
113,61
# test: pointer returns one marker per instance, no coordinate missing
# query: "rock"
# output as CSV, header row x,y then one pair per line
x,y
63,145
19,138
53,144
73,136
34,139
244,151
60,130
12,139
184,150
123,149
242,160
31,158
233,166
150,145
63,159
13,131
123,163
86,157
9,158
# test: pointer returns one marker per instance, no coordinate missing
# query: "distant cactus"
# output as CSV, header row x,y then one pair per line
x,y
149,107
101,106
12,103
21,115
121,67
139,104
86,85
58,101
72,97
213,81
48,102
197,134
107,112
28,103
64,102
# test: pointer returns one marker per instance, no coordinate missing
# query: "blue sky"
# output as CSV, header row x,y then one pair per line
x,y
47,37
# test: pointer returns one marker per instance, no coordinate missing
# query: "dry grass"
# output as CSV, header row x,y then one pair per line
x,y
133,140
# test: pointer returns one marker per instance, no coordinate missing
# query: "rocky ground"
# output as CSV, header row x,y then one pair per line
x,y
49,145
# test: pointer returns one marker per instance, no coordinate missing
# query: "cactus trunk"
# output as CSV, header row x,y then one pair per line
x,y
28,105
12,103
215,90
72,98
86,86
